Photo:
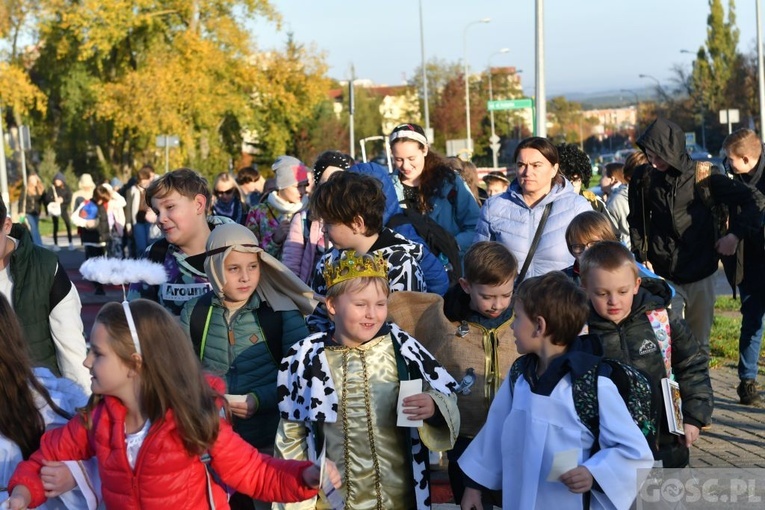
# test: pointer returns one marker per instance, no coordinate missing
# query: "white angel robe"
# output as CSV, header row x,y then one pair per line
x,y
514,450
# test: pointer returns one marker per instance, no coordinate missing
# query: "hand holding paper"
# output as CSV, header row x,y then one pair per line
x,y
414,406
563,462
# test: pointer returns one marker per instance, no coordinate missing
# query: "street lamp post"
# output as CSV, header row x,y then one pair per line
x,y
494,140
467,83
541,95
760,71
426,106
637,110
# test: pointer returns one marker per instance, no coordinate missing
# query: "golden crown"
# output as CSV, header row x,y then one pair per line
x,y
350,265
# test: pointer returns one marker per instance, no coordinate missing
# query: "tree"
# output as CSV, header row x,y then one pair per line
x,y
184,67
438,73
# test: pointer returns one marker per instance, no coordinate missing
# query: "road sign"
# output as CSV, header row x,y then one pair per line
x,y
729,116
690,139
510,104
494,139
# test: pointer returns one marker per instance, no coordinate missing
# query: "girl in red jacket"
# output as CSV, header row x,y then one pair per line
x,y
150,422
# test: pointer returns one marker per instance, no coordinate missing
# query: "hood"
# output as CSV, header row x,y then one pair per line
x,y
389,238
667,140
653,293
380,173
60,177
278,286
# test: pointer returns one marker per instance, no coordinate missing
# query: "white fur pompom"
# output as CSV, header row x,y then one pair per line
x,y
123,271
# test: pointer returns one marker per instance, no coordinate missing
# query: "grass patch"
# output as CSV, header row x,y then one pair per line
x,y
723,339
727,304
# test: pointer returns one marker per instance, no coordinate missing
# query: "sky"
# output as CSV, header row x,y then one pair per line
x,y
590,45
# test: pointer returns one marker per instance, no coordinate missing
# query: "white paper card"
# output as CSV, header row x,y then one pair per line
x,y
333,496
407,389
235,399
563,462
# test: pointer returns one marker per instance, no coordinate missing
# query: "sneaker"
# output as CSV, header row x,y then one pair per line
x,y
748,393
55,248
71,246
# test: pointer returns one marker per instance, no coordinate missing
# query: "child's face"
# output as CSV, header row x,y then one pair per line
x,y
179,217
292,194
528,337
109,374
358,314
489,300
495,188
612,292
741,164
242,273
342,236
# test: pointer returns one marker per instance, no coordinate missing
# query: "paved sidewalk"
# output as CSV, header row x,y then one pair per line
x,y
735,439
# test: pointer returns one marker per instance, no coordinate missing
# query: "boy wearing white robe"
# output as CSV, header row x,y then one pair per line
x,y
533,422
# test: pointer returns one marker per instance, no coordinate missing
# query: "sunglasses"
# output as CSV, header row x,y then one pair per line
x,y
219,192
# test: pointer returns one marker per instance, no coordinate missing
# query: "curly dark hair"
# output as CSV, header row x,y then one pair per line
x,y
575,162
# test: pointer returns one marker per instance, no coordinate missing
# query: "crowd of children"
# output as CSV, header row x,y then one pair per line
x,y
236,384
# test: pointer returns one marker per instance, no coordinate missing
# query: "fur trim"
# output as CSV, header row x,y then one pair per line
x,y
123,271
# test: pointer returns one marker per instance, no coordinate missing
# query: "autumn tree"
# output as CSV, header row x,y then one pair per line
x,y
183,67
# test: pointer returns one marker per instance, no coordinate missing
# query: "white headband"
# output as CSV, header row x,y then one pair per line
x,y
131,325
412,135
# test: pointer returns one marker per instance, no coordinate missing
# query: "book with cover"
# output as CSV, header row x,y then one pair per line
x,y
673,406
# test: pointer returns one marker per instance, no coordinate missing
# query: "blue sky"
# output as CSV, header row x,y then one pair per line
x,y
591,45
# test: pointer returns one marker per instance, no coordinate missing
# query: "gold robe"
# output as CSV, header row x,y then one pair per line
x,y
371,452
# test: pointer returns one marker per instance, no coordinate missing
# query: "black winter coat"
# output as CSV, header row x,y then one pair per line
x,y
679,227
749,261
633,341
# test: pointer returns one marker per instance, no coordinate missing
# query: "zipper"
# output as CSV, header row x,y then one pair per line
x,y
138,461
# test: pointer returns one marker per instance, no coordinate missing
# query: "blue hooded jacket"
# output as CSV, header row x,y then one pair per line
x,y
436,277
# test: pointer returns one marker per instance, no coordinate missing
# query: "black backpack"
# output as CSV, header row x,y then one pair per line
x,y
439,241
270,323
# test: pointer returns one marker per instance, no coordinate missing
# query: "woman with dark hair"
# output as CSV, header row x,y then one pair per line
x,y
538,191
426,183
576,166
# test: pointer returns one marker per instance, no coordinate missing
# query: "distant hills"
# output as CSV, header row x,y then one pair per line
x,y
609,98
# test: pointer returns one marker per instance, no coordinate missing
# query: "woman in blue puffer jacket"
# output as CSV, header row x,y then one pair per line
x,y
512,218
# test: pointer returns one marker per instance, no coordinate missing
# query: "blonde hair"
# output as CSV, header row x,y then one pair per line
x,y
743,142
608,255
171,374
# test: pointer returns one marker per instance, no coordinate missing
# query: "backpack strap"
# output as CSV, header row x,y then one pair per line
x,y
158,250
659,319
271,323
702,182
534,243
199,323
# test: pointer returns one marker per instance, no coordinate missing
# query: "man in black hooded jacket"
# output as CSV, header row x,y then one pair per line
x,y
672,228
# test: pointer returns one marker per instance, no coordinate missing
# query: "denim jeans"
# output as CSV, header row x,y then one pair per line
x,y
752,322
33,221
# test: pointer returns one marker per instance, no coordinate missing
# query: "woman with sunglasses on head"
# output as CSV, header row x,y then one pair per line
x,y
228,201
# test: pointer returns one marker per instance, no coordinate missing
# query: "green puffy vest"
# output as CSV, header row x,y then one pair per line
x,y
32,269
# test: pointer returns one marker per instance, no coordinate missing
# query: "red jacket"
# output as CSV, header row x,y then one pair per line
x,y
165,475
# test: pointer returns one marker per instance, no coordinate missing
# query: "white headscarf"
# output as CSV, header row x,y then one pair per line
x,y
278,286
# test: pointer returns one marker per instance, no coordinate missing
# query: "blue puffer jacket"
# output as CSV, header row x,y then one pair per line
x,y
506,218
436,277
247,365
455,209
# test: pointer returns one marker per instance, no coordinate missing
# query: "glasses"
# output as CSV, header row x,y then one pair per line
x,y
578,249
221,192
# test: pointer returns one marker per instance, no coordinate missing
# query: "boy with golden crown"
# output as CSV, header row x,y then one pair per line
x,y
346,394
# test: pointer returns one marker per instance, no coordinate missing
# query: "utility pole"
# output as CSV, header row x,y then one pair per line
x,y
760,71
541,98
426,106
351,108
3,167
